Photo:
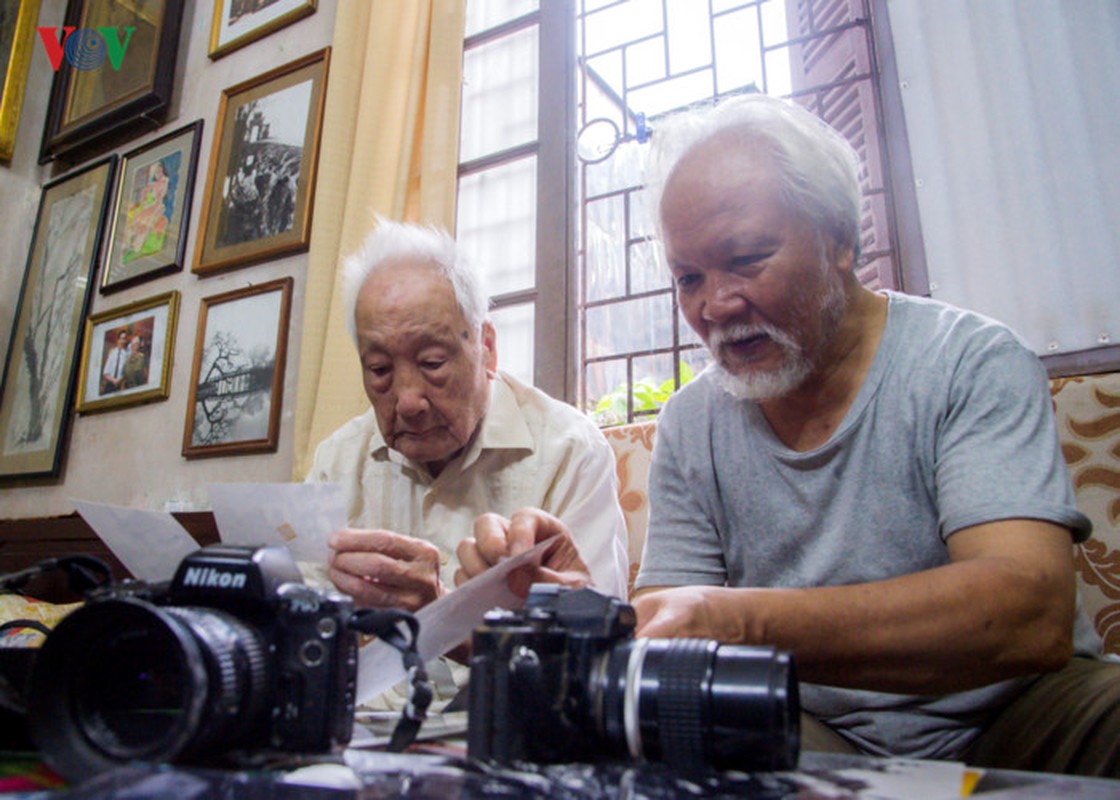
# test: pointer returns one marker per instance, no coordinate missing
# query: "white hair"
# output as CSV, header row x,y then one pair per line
x,y
818,170
392,241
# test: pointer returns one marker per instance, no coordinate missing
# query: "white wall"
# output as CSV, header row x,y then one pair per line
x,y
1014,129
131,456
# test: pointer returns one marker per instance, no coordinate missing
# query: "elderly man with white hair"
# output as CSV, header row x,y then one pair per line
x,y
869,480
451,445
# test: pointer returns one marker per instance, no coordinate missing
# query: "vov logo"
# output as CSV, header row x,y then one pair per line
x,y
86,48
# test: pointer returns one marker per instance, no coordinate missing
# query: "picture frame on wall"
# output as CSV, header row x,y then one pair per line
x,y
127,354
114,81
148,235
236,23
37,387
260,184
237,379
17,38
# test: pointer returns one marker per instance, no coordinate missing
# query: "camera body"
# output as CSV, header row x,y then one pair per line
x,y
236,656
530,676
564,680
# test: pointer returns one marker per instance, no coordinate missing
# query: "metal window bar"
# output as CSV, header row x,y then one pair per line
x,y
821,25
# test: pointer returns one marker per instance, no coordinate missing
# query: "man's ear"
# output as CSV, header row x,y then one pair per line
x,y
842,256
490,347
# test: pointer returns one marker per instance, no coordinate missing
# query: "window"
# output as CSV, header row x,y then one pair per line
x,y
515,176
567,240
643,59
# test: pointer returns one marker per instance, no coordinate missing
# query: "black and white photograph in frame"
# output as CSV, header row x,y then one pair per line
x,y
236,23
260,184
237,380
259,192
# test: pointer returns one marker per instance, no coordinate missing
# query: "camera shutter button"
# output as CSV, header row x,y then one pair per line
x,y
327,627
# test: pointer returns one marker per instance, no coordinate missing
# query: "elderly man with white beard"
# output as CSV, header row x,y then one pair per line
x,y
869,480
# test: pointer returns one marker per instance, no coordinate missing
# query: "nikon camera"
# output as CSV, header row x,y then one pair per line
x,y
237,656
564,680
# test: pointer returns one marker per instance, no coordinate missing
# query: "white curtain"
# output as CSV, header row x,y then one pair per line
x,y
1013,116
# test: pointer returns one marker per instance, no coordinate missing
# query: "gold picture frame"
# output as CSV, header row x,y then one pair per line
x,y
236,23
128,353
17,37
237,379
37,387
101,105
260,185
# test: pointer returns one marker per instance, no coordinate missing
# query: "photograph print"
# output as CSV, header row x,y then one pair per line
x,y
149,233
236,23
37,388
237,380
128,354
260,189
260,184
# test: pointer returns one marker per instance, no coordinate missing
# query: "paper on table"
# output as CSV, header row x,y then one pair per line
x,y
150,544
446,622
298,515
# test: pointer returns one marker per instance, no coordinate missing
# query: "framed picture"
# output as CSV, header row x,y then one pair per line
x,y
261,180
17,37
237,381
238,22
113,81
37,389
127,355
148,236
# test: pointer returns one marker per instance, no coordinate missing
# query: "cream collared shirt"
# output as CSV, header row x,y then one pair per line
x,y
532,450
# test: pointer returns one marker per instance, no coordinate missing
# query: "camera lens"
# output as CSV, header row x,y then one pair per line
x,y
696,704
122,680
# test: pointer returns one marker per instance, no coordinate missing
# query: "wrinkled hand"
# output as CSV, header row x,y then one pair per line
x,y
699,612
382,569
496,537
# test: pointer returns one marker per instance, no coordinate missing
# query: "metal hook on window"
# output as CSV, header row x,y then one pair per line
x,y
600,137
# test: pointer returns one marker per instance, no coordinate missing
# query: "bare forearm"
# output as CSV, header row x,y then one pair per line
x,y
956,627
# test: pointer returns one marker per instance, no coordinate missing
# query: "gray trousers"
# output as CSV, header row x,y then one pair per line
x,y
1066,721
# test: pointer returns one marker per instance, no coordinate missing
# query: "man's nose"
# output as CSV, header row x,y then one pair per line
x,y
412,397
724,299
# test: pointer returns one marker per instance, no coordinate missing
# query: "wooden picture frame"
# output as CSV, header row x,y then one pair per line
x,y
37,388
127,355
125,94
152,210
236,23
17,38
260,185
237,380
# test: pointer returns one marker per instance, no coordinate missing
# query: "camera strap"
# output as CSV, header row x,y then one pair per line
x,y
386,624
84,573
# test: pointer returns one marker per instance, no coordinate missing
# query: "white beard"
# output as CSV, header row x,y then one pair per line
x,y
759,386
796,364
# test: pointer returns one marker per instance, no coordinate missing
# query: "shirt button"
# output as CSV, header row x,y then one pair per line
x,y
444,557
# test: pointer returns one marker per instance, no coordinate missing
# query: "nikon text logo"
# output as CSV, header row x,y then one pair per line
x,y
208,577
86,48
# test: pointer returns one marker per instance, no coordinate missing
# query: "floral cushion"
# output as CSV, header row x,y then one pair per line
x,y
633,449
1088,413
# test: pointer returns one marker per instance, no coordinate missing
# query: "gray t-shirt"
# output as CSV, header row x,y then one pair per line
x,y
952,427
